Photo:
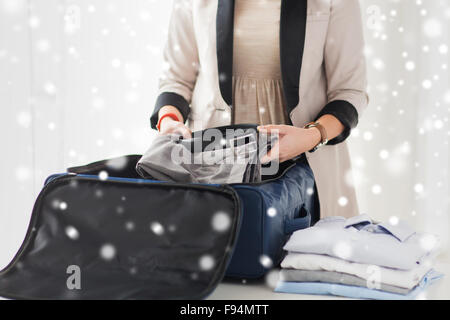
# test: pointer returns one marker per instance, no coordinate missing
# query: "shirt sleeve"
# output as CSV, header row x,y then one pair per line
x,y
181,62
345,66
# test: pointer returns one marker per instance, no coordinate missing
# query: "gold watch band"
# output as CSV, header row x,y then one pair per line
x,y
323,134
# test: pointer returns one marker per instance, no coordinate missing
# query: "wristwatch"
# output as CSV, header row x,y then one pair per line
x,y
323,134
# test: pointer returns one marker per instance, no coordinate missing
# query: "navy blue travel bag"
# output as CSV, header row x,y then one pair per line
x,y
272,211
134,238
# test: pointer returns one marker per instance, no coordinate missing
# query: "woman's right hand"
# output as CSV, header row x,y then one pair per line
x,y
169,126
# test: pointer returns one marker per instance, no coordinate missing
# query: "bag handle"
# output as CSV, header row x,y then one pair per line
x,y
302,222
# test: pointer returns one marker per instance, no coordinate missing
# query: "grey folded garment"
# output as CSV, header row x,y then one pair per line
x,y
172,158
294,275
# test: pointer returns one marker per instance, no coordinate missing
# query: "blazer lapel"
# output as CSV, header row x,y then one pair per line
x,y
292,39
224,35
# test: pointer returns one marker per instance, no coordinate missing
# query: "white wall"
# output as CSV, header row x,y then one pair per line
x,y
72,90
400,150
78,81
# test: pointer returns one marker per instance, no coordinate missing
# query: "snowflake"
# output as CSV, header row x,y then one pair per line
x,y
116,63
265,261
157,228
376,189
418,188
427,84
34,22
72,233
206,262
271,278
443,49
107,252
24,119
129,226
63,206
98,103
432,28
221,221
342,250
23,173
103,175
394,220
410,65
43,45
342,201
271,212
50,88
384,154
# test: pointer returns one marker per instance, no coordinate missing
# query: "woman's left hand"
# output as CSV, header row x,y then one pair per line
x,y
292,142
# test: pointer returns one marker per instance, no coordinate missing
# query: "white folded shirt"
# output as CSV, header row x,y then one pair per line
x,y
373,273
359,239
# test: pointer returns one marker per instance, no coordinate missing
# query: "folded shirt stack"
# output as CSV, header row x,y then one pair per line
x,y
359,258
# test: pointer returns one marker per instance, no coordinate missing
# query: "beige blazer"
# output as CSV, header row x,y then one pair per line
x,y
323,70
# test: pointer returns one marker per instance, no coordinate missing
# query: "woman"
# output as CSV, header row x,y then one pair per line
x,y
279,63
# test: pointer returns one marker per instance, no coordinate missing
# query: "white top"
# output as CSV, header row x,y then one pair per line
x,y
359,239
401,278
257,86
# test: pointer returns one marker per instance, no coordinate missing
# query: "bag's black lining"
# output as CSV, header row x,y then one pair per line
x,y
223,189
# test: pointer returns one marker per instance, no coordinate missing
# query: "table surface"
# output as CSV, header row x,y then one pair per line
x,y
263,289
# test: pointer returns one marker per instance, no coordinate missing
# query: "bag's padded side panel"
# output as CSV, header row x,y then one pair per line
x,y
130,241
263,235
250,242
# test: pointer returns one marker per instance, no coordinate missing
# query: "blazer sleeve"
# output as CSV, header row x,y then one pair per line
x,y
181,62
345,66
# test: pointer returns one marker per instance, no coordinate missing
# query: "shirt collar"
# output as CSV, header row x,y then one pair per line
x,y
401,230
362,218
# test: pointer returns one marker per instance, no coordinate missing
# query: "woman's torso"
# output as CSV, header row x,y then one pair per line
x,y
257,85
